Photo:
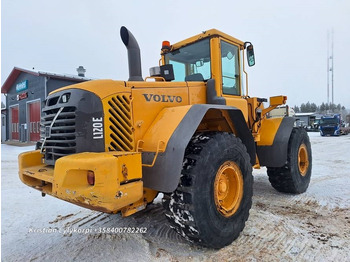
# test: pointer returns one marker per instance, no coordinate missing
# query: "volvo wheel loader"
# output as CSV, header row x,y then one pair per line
x,y
189,130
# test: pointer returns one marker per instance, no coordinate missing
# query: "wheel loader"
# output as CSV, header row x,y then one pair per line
x,y
189,131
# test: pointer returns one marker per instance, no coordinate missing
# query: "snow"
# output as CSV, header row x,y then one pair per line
x,y
313,226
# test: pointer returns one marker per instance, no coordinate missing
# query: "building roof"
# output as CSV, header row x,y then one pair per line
x,y
16,71
305,114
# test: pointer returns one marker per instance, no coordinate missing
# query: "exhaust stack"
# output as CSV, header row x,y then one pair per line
x,y
134,57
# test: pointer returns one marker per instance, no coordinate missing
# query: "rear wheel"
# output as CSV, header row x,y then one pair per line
x,y
214,196
294,176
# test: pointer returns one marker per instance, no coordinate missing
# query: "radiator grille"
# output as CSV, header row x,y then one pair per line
x,y
120,123
61,140
328,130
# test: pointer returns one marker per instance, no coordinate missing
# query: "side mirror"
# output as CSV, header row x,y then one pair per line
x,y
250,53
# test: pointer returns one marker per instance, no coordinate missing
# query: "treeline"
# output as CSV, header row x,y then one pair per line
x,y
322,109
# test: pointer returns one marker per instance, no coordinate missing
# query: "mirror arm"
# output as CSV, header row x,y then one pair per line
x,y
246,43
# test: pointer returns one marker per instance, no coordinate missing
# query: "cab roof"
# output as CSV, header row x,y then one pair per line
x,y
207,34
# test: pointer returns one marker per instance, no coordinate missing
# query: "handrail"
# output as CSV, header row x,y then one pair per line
x,y
157,78
156,155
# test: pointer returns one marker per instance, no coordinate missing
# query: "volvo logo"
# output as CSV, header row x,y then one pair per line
x,y
162,98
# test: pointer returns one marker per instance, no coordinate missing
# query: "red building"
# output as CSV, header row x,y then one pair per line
x,y
25,92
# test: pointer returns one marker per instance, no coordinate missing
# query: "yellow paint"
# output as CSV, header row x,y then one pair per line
x,y
149,194
29,159
163,127
303,160
68,181
32,172
263,129
274,102
205,34
197,93
239,103
216,64
102,88
277,100
141,116
148,197
148,102
228,188
268,130
133,208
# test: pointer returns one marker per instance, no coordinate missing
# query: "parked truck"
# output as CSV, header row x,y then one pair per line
x,y
189,130
332,125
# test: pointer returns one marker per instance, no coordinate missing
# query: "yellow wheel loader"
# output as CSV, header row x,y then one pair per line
x,y
189,130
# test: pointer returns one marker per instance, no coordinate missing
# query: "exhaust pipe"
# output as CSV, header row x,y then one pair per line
x,y
134,57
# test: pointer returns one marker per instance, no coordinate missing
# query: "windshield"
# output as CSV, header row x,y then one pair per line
x,y
329,121
192,62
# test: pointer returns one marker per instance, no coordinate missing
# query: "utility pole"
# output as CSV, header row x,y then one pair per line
x,y
327,67
330,66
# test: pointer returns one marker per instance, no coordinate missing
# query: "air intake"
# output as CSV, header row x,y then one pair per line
x,y
120,124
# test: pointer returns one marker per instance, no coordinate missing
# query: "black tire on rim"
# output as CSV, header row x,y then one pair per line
x,y
294,176
214,196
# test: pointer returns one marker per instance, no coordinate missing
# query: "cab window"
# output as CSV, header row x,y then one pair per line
x,y
192,62
230,69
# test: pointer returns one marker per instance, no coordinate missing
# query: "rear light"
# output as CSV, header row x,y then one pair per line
x,y
91,177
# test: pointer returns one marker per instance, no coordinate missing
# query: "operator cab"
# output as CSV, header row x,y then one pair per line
x,y
210,55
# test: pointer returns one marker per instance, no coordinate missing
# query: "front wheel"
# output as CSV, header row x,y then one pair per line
x,y
214,196
294,176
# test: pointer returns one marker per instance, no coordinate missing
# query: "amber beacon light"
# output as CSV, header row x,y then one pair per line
x,y
166,46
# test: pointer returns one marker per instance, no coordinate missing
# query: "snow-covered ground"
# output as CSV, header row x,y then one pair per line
x,y
314,226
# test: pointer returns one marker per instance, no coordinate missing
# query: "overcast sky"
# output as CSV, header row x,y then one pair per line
x,y
290,39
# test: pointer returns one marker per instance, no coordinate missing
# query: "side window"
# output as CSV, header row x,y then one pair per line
x,y
180,69
230,69
191,61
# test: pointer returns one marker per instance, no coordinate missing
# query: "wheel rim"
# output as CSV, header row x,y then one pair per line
x,y
303,159
228,188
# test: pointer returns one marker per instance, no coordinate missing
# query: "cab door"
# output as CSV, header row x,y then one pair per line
x,y
231,86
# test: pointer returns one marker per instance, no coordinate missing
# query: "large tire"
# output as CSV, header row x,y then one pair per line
x,y
214,196
294,176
